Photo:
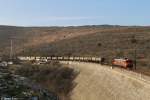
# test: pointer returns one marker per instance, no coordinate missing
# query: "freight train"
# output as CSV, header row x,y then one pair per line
x,y
65,58
122,62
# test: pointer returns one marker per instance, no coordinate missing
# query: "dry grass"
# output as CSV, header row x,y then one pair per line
x,y
96,82
54,77
103,41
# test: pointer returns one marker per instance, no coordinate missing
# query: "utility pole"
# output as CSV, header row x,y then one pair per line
x,y
135,59
11,49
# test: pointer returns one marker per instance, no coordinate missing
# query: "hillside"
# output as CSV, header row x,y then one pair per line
x,y
25,37
96,82
103,40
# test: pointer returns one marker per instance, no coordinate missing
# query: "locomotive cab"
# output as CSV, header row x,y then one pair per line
x,y
123,62
129,63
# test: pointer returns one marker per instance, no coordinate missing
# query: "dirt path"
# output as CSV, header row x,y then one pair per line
x,y
96,82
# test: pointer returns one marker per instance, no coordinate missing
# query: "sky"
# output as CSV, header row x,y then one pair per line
x,y
74,12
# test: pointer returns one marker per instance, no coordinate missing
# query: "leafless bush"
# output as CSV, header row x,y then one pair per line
x,y
55,77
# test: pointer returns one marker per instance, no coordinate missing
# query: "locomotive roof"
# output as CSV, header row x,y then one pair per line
x,y
121,59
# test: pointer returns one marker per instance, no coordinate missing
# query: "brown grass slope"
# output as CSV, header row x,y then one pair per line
x,y
25,37
103,40
109,43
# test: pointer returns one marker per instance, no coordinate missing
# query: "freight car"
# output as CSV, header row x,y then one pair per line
x,y
65,58
123,62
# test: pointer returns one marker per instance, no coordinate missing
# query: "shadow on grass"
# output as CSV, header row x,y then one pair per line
x,y
54,77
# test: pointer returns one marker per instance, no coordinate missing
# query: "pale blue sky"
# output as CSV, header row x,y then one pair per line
x,y
74,12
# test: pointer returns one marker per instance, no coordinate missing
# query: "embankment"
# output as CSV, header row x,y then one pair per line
x,y
97,82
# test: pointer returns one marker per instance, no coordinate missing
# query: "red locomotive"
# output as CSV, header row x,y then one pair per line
x,y
123,62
